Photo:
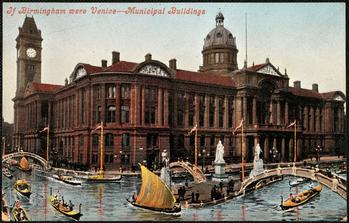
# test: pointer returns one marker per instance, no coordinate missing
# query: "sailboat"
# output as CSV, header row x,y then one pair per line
x,y
100,178
24,165
155,196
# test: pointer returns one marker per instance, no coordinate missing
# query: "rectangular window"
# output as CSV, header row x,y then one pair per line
x,y
180,141
111,91
192,140
202,140
152,140
213,138
95,139
180,109
150,105
230,112
125,91
111,114
82,108
125,140
212,111
109,139
125,114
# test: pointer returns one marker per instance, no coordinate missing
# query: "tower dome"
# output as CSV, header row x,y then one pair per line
x,y
219,50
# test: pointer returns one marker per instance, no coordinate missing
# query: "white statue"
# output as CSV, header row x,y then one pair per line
x,y
257,152
219,153
164,158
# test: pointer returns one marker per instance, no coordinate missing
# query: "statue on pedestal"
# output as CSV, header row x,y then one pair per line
x,y
257,162
219,153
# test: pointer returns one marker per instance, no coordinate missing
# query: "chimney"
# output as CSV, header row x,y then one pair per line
x,y
104,63
148,57
173,64
316,87
116,57
297,84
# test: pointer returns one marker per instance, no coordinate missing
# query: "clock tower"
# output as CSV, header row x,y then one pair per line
x,y
29,47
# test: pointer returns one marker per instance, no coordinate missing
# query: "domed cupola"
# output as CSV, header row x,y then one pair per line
x,y
219,50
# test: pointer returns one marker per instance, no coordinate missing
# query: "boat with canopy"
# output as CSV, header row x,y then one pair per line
x,y
67,209
155,195
100,177
24,165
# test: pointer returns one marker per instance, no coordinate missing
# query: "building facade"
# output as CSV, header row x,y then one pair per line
x,y
149,106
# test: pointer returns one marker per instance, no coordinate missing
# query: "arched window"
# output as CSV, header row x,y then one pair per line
x,y
111,114
219,35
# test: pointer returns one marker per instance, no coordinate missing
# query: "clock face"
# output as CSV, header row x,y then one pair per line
x,y
31,52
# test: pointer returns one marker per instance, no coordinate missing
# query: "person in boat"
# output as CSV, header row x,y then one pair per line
x,y
291,197
70,205
134,196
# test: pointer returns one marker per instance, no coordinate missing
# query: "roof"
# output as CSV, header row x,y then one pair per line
x,y
256,67
39,87
329,95
121,66
90,69
305,92
204,77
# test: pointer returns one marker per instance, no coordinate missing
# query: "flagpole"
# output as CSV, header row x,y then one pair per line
x,y
242,153
47,142
295,142
101,158
196,151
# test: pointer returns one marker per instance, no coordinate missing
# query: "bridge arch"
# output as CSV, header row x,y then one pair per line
x,y
200,177
10,156
336,184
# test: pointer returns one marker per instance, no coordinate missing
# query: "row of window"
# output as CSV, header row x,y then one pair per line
x,y
202,140
110,91
109,139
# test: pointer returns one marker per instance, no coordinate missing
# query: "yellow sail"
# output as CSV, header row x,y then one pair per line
x,y
154,192
24,164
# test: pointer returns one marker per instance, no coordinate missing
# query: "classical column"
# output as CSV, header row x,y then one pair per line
x,y
283,149
175,109
225,117
266,148
165,107
311,112
254,110
305,121
143,106
278,111
207,111
245,109
286,113
290,149
216,112
237,110
196,109
160,108
317,119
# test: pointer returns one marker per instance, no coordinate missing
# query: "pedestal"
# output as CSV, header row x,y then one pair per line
x,y
219,172
257,167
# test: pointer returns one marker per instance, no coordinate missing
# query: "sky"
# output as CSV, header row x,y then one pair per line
x,y
308,39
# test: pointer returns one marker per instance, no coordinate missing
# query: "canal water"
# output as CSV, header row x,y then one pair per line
x,y
106,202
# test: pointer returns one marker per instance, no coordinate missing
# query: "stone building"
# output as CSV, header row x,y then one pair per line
x,y
149,106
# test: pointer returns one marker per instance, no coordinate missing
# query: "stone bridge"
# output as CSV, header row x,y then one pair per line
x,y
200,177
10,156
334,183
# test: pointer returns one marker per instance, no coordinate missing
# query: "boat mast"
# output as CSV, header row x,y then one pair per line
x,y
196,152
295,142
47,141
242,153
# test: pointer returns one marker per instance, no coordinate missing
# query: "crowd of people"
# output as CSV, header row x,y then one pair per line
x,y
59,202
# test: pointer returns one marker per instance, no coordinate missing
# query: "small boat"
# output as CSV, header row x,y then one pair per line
x,y
23,188
298,181
24,165
18,213
155,196
64,208
69,180
100,178
7,173
5,215
300,198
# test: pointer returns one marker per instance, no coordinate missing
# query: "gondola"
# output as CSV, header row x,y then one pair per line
x,y
68,180
297,182
18,213
155,196
100,178
23,188
301,198
64,208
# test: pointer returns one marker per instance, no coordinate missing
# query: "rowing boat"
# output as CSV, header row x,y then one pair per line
x,y
69,180
155,196
100,178
301,198
64,209
23,187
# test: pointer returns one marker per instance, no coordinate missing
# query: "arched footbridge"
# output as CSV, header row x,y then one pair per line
x,y
334,183
200,177
34,156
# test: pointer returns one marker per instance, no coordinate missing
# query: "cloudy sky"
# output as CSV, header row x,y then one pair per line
x,y
306,38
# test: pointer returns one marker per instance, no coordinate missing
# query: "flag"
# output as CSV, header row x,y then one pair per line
x,y
45,129
239,126
193,129
292,124
99,127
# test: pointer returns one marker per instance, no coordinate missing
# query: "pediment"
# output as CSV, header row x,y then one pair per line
x,y
338,98
155,68
269,69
